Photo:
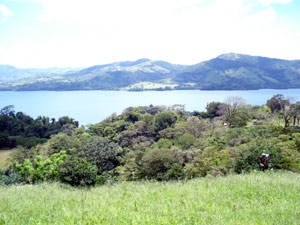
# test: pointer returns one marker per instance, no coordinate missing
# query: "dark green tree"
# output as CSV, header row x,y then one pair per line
x,y
164,120
277,103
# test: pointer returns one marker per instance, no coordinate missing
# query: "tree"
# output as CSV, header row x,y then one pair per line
x,y
66,120
101,152
7,110
278,103
295,110
213,108
164,120
160,164
233,112
77,171
282,105
291,112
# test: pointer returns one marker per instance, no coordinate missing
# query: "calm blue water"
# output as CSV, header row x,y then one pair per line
x,y
93,106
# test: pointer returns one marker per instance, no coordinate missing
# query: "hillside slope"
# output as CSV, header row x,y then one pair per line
x,y
227,72
12,74
238,72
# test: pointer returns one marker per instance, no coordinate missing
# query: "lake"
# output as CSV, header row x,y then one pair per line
x,y
90,107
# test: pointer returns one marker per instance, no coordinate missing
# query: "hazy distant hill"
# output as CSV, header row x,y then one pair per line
x,y
10,73
226,72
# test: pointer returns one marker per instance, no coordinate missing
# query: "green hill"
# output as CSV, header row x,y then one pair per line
x,y
227,72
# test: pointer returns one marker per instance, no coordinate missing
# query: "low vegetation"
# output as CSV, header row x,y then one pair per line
x,y
255,198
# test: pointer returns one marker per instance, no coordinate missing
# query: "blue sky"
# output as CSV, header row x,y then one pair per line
x,y
80,33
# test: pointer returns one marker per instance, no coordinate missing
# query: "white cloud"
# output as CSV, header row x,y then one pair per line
x,y
270,2
262,18
179,31
5,13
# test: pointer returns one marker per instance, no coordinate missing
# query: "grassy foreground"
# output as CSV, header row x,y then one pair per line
x,y
257,198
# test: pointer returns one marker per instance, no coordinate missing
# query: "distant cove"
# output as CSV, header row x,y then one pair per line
x,y
93,106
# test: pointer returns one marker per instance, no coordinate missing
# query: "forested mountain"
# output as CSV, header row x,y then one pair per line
x,y
236,71
227,72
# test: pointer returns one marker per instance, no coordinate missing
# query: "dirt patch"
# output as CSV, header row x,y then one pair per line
x,y
4,154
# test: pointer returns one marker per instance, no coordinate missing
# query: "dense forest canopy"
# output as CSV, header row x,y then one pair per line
x,y
17,128
156,142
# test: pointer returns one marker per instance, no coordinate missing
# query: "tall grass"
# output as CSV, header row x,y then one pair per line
x,y
256,198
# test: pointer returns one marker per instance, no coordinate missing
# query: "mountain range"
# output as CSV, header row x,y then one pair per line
x,y
226,72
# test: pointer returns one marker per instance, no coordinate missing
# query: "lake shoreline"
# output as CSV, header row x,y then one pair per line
x,y
89,107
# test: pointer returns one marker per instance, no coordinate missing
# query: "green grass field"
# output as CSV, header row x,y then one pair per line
x,y
257,198
4,154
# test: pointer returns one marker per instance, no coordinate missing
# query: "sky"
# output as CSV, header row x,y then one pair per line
x,y
82,33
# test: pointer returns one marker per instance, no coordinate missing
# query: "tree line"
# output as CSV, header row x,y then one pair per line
x,y
166,143
17,128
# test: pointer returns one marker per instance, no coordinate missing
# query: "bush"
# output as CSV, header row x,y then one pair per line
x,y
216,161
163,143
185,141
289,156
26,170
10,177
246,155
41,169
162,164
296,137
20,154
164,120
101,152
77,172
63,141
212,160
131,170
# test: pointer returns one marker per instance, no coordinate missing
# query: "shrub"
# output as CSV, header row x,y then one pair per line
x,y
162,164
63,141
20,154
41,169
289,156
77,172
296,137
101,152
171,133
185,141
132,169
26,170
10,177
132,116
247,154
216,161
236,136
164,120
163,143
